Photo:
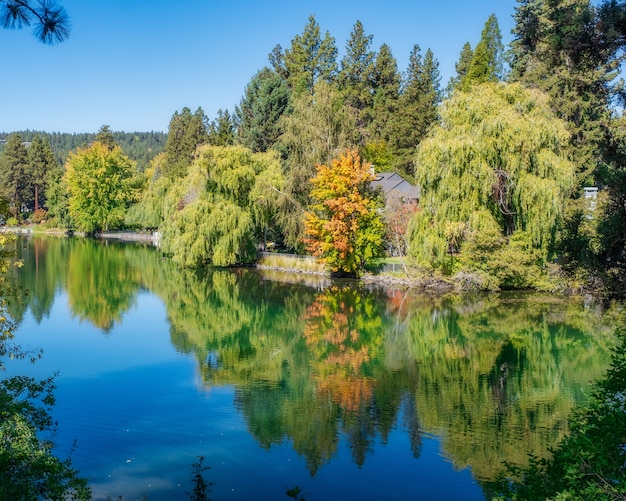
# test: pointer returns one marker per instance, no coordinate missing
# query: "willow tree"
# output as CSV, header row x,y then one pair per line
x,y
214,215
494,178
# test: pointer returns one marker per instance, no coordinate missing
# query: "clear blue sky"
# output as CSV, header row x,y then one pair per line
x,y
131,64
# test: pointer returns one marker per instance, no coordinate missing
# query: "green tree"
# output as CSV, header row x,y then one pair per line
x,y
50,21
221,131
386,85
309,60
344,227
494,178
41,163
265,100
105,136
461,67
13,173
417,109
186,132
98,183
57,198
487,63
215,214
317,128
356,78
572,50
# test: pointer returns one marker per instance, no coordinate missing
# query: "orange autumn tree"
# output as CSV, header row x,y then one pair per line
x,y
344,227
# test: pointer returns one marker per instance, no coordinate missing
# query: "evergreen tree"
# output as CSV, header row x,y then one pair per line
x,y
105,136
355,80
386,85
186,132
461,67
57,199
40,163
417,110
265,100
222,130
309,60
50,21
572,51
13,173
487,64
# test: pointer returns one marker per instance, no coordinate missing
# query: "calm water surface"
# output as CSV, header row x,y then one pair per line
x,y
346,391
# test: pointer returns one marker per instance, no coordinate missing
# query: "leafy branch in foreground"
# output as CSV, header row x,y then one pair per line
x,y
28,468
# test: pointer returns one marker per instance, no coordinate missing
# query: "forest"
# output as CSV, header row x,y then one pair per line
x,y
518,160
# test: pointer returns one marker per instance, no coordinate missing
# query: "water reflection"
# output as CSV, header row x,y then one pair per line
x,y
495,376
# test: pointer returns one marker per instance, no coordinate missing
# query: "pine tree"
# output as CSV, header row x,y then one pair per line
x,y
386,86
105,136
487,64
13,174
186,132
309,60
41,163
265,100
50,21
461,67
222,130
355,80
417,110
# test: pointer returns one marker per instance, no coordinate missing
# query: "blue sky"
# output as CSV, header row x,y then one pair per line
x,y
131,64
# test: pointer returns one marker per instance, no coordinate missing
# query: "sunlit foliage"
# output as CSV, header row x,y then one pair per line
x,y
494,180
344,227
213,215
99,185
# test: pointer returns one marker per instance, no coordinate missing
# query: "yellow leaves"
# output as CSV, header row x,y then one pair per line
x,y
344,228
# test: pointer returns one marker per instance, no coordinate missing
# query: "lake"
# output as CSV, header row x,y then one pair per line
x,y
345,390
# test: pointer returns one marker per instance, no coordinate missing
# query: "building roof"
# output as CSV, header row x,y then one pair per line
x,y
391,182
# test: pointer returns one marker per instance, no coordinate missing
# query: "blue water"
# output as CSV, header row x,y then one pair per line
x,y
134,415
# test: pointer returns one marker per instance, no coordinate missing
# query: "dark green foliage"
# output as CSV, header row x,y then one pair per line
x,y
139,146
309,60
49,20
461,67
105,136
386,94
265,100
13,173
186,132
417,109
41,163
590,462
222,130
57,199
572,50
356,78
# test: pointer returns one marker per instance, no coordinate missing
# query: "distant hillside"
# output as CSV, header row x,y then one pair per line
x,y
140,146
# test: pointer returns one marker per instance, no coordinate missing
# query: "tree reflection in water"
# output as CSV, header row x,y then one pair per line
x,y
494,375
